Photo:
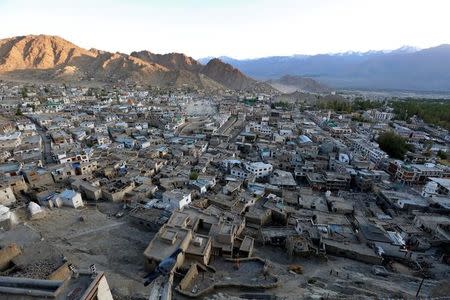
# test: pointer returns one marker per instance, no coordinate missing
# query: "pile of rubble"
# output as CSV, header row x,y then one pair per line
x,y
37,270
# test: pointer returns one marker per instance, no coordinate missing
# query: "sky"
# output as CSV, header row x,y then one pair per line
x,y
239,29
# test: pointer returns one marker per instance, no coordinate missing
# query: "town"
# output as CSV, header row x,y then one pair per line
x,y
252,195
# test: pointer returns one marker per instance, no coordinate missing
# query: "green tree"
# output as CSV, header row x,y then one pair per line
x,y
442,155
393,144
24,92
428,145
18,111
283,105
193,175
431,111
360,118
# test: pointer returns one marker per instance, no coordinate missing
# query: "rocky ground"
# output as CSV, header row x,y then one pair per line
x,y
94,236
84,237
349,280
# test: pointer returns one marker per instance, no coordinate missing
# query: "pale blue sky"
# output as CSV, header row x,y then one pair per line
x,y
241,29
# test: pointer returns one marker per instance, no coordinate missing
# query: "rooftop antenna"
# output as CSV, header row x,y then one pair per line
x,y
93,270
73,270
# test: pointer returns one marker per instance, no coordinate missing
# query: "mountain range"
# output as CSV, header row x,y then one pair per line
x,y
51,58
406,68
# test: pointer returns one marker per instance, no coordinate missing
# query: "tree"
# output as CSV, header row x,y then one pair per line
x,y
18,111
393,144
442,155
90,92
359,118
24,92
431,111
283,105
427,145
193,175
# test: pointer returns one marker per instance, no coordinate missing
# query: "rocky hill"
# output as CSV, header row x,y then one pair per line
x,y
290,83
172,61
39,52
50,58
227,75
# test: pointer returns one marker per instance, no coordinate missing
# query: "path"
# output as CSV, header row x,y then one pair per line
x,y
87,232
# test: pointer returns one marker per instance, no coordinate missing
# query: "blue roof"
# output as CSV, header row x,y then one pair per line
x,y
68,194
304,139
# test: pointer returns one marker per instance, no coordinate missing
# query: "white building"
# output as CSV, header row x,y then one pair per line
x,y
239,172
285,132
436,187
177,198
6,196
259,127
103,140
369,150
259,169
71,198
35,211
7,217
229,163
64,158
26,126
343,158
10,140
379,115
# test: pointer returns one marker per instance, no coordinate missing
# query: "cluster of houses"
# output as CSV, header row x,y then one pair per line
x,y
311,182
